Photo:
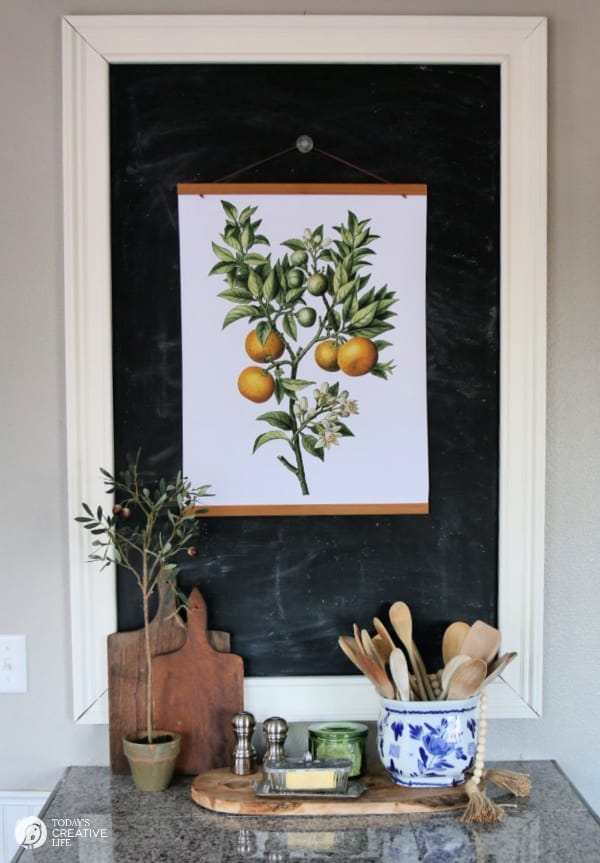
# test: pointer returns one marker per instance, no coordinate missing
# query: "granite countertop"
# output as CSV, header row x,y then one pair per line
x,y
122,824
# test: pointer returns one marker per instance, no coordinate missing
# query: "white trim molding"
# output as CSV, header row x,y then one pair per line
x,y
15,805
518,45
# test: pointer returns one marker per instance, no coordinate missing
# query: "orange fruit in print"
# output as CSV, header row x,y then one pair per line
x,y
271,350
357,356
326,356
256,384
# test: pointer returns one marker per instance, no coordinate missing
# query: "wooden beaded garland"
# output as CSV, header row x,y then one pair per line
x,y
480,808
481,739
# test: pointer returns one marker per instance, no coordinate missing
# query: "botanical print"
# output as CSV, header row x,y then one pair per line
x,y
315,298
319,302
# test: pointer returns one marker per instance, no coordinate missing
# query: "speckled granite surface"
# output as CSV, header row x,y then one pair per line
x,y
121,824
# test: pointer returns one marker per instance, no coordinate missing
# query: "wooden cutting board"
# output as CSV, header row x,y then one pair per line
x,y
222,791
197,691
127,671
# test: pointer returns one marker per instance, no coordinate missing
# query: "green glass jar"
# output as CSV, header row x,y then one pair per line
x,y
340,740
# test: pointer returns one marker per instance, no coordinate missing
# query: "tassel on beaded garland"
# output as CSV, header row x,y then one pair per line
x,y
518,784
480,809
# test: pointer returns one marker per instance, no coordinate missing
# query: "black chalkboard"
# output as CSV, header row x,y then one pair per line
x,y
285,587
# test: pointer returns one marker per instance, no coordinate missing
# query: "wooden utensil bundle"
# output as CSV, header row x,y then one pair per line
x,y
470,655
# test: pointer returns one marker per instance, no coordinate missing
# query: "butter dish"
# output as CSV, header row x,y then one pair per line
x,y
354,790
327,776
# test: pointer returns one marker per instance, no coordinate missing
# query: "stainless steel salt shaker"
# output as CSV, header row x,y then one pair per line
x,y
243,758
275,730
247,843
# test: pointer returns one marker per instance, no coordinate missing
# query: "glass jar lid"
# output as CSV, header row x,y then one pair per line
x,y
338,730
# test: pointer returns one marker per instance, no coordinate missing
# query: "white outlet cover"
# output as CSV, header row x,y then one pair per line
x,y
13,663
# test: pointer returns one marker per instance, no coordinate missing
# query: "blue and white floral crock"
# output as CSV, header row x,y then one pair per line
x,y
428,743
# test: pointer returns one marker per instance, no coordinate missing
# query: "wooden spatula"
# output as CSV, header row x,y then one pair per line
x,y
481,641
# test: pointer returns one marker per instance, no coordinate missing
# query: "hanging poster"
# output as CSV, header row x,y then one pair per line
x,y
304,347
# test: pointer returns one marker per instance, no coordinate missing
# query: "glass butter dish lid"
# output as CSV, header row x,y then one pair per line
x,y
324,776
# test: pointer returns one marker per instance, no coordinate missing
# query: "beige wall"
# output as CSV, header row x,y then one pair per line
x,y
37,735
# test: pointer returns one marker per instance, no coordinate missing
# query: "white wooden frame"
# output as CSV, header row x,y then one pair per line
x,y
518,45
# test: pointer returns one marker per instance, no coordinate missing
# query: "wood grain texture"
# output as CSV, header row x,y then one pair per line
x,y
127,671
301,189
321,509
197,690
222,791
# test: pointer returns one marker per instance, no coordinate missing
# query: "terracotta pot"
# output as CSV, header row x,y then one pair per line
x,y
152,764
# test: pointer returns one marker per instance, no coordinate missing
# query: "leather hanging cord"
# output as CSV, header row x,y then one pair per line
x,y
305,150
351,165
249,167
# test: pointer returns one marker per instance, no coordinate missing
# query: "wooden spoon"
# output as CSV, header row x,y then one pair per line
x,y
467,679
382,631
448,670
357,638
399,672
452,640
369,648
371,669
350,648
498,667
481,641
413,687
383,648
401,620
377,676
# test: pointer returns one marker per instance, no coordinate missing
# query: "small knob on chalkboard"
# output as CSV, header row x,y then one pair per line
x,y
243,758
275,730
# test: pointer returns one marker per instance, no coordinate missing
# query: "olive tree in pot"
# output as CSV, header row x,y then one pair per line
x,y
151,524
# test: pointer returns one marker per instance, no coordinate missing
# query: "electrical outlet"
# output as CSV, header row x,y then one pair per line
x,y
13,663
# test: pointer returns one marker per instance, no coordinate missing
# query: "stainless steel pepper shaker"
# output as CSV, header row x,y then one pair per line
x,y
275,730
243,759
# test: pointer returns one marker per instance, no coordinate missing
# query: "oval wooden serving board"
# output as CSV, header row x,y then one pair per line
x,y
222,791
